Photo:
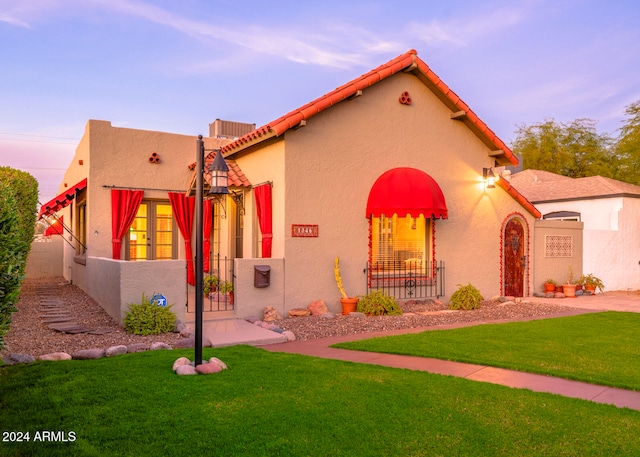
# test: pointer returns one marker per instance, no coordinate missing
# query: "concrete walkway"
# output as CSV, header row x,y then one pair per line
x,y
534,382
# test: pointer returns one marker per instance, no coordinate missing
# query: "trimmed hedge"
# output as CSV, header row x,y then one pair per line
x,y
18,203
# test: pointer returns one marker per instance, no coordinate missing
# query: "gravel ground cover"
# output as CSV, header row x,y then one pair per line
x,y
29,334
417,313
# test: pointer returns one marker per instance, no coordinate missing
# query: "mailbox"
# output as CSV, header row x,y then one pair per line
x,y
261,276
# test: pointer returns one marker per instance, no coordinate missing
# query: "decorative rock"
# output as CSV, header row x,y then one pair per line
x,y
186,370
559,295
270,314
289,335
55,356
184,343
180,362
278,329
88,354
185,332
356,314
179,326
328,316
159,345
219,362
13,359
299,312
208,368
251,320
318,308
137,347
115,350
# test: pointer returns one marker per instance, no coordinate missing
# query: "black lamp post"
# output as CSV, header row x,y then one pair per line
x,y
219,186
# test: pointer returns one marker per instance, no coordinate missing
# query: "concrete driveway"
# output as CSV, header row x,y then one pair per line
x,y
611,301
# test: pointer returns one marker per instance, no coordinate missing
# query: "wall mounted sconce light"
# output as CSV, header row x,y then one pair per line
x,y
489,177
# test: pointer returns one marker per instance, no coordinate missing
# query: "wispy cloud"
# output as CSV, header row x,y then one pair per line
x,y
465,30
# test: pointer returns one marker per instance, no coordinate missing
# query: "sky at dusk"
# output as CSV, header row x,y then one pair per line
x,y
176,66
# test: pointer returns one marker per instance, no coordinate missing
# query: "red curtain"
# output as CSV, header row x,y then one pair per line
x,y
207,222
124,206
183,214
263,205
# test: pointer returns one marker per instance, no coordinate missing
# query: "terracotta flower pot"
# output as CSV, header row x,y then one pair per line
x,y
549,287
569,290
349,305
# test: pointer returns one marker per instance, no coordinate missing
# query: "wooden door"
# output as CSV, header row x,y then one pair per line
x,y
514,258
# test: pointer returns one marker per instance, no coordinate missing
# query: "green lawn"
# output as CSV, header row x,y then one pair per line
x,y
599,348
291,405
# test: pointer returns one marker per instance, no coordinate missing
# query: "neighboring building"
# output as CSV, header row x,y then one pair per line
x,y
610,211
388,172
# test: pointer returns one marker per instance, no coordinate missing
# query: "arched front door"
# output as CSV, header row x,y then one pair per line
x,y
514,257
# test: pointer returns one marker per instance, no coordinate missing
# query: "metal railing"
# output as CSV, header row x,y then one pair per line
x,y
408,279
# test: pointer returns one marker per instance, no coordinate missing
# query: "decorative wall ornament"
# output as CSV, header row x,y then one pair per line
x,y
405,99
154,158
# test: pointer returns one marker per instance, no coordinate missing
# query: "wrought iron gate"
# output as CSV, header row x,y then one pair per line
x,y
218,286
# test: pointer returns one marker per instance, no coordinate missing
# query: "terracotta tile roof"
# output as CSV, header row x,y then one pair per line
x,y
511,190
408,61
542,186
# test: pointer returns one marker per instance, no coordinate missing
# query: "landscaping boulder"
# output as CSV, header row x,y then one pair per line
x,y
180,361
184,343
55,356
88,354
299,312
270,314
185,370
289,335
159,345
13,359
115,350
218,362
137,347
208,368
318,308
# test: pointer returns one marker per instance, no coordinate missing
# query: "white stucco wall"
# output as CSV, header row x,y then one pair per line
x,y
611,241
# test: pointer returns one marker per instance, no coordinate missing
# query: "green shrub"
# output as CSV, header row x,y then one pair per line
x,y
18,201
147,318
466,297
377,302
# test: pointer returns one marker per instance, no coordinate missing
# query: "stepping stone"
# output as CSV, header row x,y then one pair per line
x,y
102,331
53,320
76,330
63,326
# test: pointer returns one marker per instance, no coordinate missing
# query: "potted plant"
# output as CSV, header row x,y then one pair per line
x,y
591,283
550,285
349,304
210,284
569,288
226,287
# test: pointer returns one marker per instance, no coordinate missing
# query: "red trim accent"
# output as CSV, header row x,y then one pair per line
x,y
506,185
61,200
400,63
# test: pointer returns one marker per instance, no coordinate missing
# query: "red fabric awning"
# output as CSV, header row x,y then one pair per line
x,y
405,191
55,227
61,200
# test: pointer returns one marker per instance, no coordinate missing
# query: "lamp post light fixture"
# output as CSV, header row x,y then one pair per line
x,y
219,186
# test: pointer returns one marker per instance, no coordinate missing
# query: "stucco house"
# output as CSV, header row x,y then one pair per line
x,y
609,210
392,173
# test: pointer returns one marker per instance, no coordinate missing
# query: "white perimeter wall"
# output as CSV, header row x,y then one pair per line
x,y
611,239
